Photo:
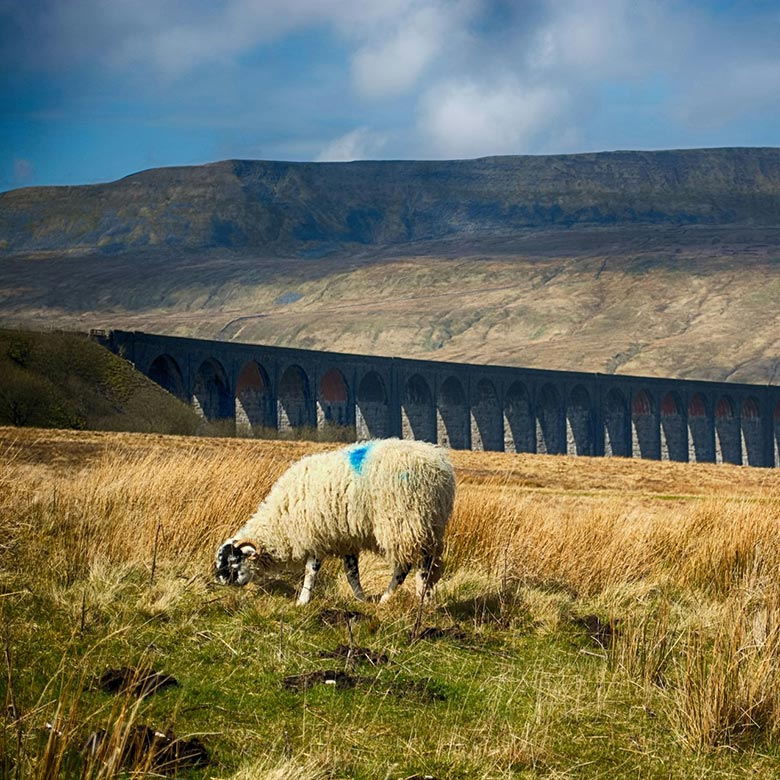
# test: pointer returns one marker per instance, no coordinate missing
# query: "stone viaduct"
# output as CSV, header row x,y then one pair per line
x,y
463,406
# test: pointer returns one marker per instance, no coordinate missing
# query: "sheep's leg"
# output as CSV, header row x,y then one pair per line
x,y
427,575
312,567
353,576
399,575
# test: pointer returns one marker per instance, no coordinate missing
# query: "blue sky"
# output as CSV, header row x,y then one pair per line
x,y
93,90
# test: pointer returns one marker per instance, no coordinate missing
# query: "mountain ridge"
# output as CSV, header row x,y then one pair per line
x,y
289,206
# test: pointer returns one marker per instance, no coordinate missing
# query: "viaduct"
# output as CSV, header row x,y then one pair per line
x,y
463,406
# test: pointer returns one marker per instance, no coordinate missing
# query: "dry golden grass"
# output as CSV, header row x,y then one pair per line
x,y
582,523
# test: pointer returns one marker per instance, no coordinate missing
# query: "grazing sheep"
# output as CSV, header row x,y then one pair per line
x,y
388,496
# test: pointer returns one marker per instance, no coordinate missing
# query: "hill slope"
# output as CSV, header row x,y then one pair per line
x,y
261,204
64,380
658,263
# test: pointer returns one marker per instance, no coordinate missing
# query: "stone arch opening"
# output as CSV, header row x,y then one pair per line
x,y
211,396
644,427
727,438
518,420
752,429
550,438
294,400
165,372
701,448
452,418
372,410
254,400
486,433
418,416
617,435
579,428
674,433
333,400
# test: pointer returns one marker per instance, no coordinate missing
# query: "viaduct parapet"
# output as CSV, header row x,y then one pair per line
x,y
260,388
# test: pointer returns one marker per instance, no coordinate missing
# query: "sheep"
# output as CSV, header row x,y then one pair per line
x,y
389,496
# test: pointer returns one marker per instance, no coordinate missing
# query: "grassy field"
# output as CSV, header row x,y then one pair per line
x,y
598,618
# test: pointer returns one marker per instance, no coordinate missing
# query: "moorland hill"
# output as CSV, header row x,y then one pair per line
x,y
288,205
658,263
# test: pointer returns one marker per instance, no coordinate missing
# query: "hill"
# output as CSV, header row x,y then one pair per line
x,y
657,263
284,206
65,380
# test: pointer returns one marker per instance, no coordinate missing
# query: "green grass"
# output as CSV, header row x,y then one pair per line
x,y
510,694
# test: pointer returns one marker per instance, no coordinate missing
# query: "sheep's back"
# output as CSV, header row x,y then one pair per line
x,y
389,496
315,507
410,492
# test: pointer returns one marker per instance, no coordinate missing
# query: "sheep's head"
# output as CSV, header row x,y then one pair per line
x,y
235,562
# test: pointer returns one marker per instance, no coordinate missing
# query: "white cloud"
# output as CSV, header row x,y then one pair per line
x,y
393,63
358,144
466,119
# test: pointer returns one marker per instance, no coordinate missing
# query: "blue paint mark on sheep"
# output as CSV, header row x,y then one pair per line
x,y
357,456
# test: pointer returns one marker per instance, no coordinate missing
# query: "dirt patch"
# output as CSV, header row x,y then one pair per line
x,y
437,632
145,747
338,679
137,682
426,689
356,655
598,631
340,617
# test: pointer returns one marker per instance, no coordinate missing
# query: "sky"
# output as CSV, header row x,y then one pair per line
x,y
94,90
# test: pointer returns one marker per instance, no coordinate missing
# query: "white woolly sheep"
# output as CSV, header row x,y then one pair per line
x,y
387,496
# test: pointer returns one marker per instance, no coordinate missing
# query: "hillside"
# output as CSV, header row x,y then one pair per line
x,y
64,380
258,204
657,263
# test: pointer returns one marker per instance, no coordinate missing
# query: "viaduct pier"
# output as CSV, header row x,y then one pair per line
x,y
464,406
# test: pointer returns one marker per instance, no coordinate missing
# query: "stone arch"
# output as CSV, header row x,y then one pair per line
x,y
752,430
211,396
617,435
644,427
166,372
486,433
727,439
674,433
372,411
294,400
254,400
518,420
418,416
333,400
579,428
550,437
701,448
452,417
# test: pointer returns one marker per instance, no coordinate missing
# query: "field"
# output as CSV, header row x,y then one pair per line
x,y
598,618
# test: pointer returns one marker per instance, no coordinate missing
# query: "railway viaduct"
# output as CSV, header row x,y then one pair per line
x,y
463,406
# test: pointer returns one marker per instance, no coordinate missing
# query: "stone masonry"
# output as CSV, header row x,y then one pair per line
x,y
258,388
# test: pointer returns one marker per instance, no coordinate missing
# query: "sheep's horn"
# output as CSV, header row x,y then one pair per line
x,y
241,543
